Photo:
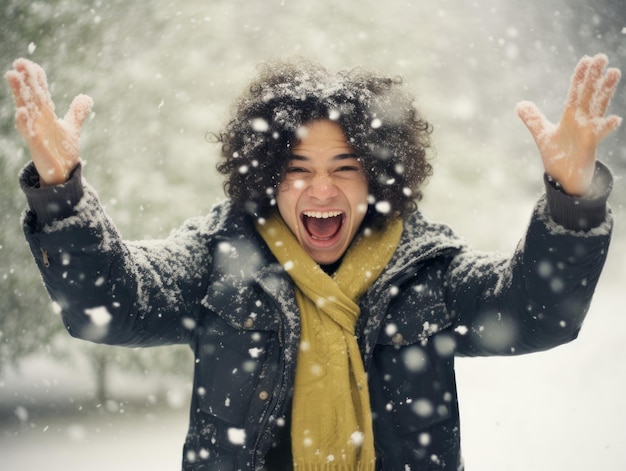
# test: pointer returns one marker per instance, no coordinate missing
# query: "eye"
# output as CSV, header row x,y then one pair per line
x,y
348,168
295,169
352,169
295,172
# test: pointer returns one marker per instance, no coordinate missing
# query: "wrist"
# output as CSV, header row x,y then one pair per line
x,y
580,212
52,176
578,184
53,202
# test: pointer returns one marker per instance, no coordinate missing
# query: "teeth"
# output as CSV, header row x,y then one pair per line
x,y
322,215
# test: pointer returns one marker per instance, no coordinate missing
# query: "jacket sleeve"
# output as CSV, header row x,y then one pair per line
x,y
108,290
538,298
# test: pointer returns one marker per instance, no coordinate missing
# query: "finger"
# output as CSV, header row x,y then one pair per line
x,y
23,123
23,69
607,126
576,83
534,119
78,111
591,82
605,92
15,83
35,91
41,82
40,75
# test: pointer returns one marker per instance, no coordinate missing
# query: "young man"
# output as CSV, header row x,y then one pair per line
x,y
323,311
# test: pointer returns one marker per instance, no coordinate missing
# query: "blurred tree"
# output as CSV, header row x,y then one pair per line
x,y
26,323
60,35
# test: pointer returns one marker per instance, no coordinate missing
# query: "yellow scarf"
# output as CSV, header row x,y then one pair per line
x,y
331,416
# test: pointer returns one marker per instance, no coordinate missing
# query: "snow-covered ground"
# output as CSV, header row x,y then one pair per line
x,y
551,411
97,443
559,410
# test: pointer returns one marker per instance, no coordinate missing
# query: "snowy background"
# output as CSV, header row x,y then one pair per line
x,y
163,74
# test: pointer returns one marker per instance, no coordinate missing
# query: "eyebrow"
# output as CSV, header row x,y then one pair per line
x,y
336,157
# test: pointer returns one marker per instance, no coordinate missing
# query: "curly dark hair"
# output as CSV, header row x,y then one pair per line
x,y
376,113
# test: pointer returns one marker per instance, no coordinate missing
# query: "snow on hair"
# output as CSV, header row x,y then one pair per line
x,y
376,113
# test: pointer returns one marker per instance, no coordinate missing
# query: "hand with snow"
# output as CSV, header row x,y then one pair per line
x,y
568,149
53,142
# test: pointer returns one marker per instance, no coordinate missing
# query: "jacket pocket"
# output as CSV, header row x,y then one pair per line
x,y
412,387
232,365
412,370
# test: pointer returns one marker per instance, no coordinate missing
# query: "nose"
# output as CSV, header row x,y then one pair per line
x,y
322,187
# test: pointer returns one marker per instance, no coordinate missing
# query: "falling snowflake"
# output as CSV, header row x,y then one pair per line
x,y
237,436
99,316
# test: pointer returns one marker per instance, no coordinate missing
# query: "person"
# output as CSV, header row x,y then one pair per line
x,y
323,310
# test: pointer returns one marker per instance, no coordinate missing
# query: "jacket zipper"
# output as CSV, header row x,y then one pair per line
x,y
278,398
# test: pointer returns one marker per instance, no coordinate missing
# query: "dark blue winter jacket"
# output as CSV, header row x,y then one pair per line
x,y
214,285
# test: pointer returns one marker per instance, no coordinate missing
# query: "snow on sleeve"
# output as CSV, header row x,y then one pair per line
x,y
87,213
476,263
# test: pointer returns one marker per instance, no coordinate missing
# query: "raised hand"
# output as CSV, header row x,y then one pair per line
x,y
568,149
53,142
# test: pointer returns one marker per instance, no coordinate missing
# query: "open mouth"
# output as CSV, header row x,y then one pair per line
x,y
322,225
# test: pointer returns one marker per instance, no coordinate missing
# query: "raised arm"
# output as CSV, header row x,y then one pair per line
x,y
53,142
539,298
109,290
568,148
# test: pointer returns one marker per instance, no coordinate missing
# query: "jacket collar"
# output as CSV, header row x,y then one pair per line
x,y
420,241
241,265
245,257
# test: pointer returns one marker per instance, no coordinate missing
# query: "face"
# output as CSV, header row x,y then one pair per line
x,y
323,195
